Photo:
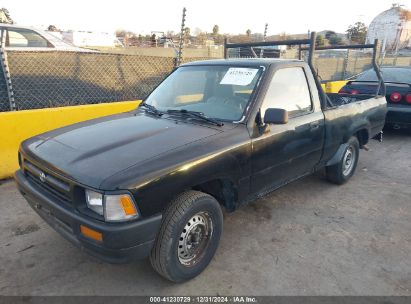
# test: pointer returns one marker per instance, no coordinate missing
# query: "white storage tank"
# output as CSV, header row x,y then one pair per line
x,y
392,28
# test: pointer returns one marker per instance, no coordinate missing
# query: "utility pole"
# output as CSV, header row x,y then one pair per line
x,y
180,46
265,31
264,38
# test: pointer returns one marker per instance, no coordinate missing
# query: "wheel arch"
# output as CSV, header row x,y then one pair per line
x,y
360,130
222,189
363,136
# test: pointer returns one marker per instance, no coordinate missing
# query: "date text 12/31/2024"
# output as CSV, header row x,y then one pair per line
x,y
204,299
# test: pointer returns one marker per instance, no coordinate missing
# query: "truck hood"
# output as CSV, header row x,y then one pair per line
x,y
94,150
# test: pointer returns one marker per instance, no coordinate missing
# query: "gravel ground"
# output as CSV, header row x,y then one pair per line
x,y
308,238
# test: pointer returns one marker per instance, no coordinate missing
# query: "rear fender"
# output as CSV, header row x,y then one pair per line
x,y
338,155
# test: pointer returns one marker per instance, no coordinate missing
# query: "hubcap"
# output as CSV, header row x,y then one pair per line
x,y
348,160
195,238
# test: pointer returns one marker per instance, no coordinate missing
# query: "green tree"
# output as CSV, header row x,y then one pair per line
x,y
187,32
216,30
320,41
52,28
328,34
5,16
335,40
357,33
217,37
120,33
248,33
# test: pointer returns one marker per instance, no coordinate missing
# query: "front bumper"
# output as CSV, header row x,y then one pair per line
x,y
122,242
399,115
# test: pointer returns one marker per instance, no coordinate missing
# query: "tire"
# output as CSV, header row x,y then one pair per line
x,y
342,171
193,217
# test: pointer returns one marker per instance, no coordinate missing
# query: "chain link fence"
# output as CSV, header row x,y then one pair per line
x,y
340,65
330,65
45,79
53,79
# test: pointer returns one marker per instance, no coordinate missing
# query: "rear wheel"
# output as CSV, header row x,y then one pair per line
x,y
188,237
345,168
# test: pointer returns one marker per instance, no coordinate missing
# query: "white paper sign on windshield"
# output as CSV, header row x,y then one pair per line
x,y
239,76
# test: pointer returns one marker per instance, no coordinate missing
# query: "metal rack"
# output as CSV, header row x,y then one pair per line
x,y
309,45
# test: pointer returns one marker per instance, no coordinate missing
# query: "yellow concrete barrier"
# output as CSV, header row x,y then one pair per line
x,y
334,86
20,125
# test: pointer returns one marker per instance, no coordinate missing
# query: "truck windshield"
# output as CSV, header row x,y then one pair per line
x,y
219,92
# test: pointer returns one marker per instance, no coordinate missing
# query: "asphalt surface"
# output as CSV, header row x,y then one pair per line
x,y
308,238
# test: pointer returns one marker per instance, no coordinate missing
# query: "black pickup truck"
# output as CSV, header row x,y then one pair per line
x,y
214,134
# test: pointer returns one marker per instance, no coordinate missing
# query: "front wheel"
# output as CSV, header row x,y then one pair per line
x,y
345,168
188,237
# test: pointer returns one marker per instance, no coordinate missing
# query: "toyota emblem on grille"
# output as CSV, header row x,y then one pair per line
x,y
42,177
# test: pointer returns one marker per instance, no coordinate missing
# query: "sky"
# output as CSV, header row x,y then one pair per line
x,y
234,17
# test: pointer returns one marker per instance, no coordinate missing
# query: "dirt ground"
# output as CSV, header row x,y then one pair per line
x,y
308,238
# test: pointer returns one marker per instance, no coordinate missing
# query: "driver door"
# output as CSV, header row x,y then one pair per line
x,y
287,151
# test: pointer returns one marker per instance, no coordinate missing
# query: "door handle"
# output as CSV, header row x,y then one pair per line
x,y
314,125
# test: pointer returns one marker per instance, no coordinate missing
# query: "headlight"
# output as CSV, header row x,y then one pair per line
x,y
115,208
95,201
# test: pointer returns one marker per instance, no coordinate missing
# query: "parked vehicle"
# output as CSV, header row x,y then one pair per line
x,y
398,92
214,134
22,38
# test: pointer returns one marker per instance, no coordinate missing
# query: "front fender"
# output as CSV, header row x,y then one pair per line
x,y
158,180
156,191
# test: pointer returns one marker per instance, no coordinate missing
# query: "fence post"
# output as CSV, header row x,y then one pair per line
x,y
6,71
225,47
346,59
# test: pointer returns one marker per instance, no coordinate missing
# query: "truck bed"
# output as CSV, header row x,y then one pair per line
x,y
350,114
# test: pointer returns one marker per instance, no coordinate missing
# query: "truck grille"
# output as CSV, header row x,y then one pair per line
x,y
48,181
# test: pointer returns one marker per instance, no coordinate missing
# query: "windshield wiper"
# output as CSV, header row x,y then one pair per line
x,y
195,114
151,109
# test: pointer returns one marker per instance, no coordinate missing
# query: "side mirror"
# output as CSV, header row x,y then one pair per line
x,y
275,116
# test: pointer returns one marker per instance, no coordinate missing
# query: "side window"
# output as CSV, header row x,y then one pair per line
x,y
25,38
288,90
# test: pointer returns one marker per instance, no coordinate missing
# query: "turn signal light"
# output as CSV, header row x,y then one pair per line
x,y
128,205
120,207
91,234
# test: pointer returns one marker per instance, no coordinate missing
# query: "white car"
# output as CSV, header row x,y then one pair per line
x,y
21,38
